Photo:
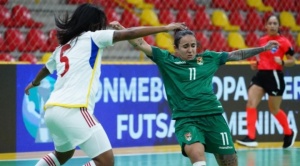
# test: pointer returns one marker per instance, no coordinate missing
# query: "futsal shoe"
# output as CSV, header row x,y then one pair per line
x,y
247,142
289,140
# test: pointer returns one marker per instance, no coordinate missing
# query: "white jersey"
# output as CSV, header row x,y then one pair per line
x,y
78,69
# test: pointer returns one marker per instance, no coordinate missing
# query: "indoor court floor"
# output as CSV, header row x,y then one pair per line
x,y
265,155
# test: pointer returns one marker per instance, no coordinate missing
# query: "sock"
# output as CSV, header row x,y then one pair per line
x,y
90,163
251,121
200,163
48,160
282,119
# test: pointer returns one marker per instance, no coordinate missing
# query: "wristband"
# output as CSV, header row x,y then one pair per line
x,y
33,84
282,63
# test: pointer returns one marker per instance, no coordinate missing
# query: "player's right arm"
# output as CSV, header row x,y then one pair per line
x,y
44,72
49,68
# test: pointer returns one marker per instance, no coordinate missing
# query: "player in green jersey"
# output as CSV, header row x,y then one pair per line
x,y
187,76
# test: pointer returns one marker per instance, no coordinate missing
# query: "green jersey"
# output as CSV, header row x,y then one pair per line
x,y
188,84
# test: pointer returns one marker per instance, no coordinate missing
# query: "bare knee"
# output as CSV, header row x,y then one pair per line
x,y
227,160
252,102
105,159
63,157
195,152
255,93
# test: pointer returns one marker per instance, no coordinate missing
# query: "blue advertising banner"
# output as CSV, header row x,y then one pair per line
x,y
32,134
132,106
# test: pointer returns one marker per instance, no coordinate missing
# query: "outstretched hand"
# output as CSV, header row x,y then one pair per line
x,y
271,44
29,86
174,26
116,25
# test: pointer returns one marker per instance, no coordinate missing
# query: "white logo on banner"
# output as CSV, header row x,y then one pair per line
x,y
151,89
126,123
134,125
236,88
266,123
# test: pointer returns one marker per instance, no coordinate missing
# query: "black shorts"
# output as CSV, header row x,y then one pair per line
x,y
272,81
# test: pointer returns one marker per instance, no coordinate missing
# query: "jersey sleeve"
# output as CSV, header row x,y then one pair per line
x,y
158,55
223,57
219,57
51,63
103,38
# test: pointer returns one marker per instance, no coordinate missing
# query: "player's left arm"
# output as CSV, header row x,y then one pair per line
x,y
37,80
247,53
290,59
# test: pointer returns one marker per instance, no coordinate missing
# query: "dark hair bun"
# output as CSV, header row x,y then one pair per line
x,y
176,31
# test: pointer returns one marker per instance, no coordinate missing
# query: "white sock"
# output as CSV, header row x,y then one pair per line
x,y
200,163
48,160
90,163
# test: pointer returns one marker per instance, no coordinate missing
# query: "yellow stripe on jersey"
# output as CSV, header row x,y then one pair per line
x,y
66,105
93,74
88,94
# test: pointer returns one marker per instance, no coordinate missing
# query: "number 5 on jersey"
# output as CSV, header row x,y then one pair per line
x,y
64,59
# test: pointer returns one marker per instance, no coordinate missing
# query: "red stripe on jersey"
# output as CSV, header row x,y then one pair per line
x,y
49,160
88,164
89,117
84,116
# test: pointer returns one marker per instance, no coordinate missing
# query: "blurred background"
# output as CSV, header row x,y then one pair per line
x,y
28,35
27,28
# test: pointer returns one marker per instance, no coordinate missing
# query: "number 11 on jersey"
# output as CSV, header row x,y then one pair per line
x,y
192,73
224,138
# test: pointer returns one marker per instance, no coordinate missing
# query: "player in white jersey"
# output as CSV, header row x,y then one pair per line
x,y
83,67
69,110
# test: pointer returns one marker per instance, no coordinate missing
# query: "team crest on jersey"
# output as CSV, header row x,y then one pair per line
x,y
200,60
188,136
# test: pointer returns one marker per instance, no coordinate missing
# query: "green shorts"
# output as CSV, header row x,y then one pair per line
x,y
212,131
